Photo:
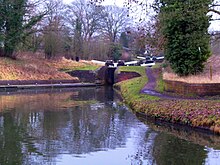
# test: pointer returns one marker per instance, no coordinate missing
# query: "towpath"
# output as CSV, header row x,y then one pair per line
x,y
149,88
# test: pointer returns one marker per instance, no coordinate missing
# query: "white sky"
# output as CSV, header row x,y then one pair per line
x,y
106,2
215,25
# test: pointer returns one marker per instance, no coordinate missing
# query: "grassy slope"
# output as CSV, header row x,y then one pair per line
x,y
35,67
196,113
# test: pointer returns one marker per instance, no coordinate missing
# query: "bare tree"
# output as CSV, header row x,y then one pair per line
x,y
53,30
215,7
115,21
88,14
153,38
87,18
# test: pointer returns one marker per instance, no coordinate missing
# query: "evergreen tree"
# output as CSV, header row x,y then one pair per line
x,y
124,39
185,28
115,51
78,45
14,25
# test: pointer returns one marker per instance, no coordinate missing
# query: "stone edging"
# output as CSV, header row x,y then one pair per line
x,y
34,82
14,85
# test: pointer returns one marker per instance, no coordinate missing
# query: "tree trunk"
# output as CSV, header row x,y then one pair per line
x,y
9,51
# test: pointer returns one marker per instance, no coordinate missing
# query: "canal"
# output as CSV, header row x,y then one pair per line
x,y
91,126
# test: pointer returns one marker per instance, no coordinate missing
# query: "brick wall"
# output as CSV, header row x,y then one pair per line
x,y
84,75
121,76
192,89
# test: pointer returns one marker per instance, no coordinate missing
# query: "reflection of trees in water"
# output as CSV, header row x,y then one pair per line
x,y
171,150
81,131
43,134
55,100
186,133
10,137
101,94
35,102
38,130
144,146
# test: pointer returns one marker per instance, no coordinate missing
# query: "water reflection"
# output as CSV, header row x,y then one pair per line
x,y
85,126
186,153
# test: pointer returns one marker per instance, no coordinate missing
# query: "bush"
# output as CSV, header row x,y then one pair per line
x,y
185,28
115,51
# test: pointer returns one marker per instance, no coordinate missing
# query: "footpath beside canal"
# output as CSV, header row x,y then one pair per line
x,y
201,113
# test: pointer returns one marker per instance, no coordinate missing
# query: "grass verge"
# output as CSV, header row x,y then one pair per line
x,y
130,89
196,113
85,67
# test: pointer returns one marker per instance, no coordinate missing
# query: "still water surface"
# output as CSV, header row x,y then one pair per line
x,y
90,126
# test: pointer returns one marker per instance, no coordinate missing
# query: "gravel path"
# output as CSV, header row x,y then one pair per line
x,y
152,78
150,86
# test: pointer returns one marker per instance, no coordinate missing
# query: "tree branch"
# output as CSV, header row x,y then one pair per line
x,y
214,11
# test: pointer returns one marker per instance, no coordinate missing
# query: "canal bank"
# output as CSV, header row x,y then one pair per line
x,y
9,86
147,100
91,126
6,88
202,113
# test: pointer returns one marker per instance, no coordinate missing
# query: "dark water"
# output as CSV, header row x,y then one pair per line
x,y
91,126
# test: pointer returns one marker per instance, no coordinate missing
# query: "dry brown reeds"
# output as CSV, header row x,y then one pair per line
x,y
211,73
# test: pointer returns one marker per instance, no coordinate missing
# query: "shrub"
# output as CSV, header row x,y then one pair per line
x,y
185,28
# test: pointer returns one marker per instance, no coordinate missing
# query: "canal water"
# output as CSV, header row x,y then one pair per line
x,y
91,126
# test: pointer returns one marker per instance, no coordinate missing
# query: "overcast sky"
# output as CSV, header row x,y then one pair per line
x,y
107,2
214,25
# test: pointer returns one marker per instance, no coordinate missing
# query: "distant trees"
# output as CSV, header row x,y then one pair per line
x,y
115,51
78,29
84,21
124,40
115,21
78,42
89,22
53,40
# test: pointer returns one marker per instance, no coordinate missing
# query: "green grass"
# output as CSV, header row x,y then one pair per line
x,y
87,67
137,69
195,113
130,89
160,84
